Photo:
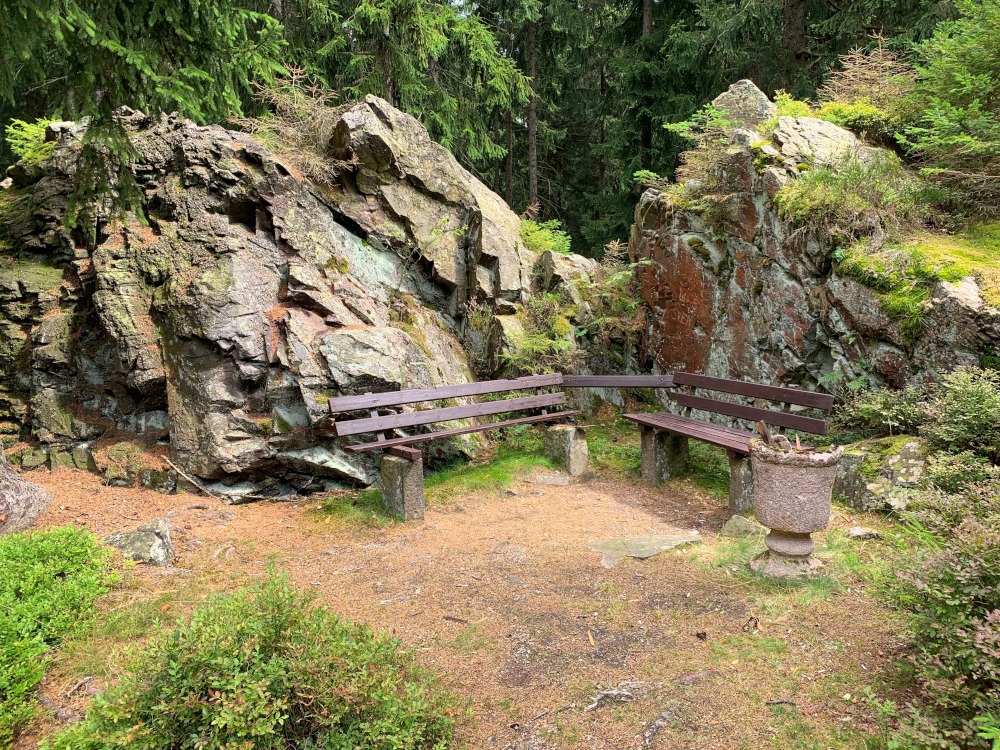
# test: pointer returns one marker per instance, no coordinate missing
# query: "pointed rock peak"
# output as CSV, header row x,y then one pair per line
x,y
745,105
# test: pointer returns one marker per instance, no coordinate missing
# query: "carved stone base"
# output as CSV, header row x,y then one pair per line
x,y
776,565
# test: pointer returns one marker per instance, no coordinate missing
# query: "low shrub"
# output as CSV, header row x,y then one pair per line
x,y
882,412
49,581
955,472
263,669
949,587
964,413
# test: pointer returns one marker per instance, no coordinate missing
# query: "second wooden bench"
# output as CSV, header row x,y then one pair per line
x,y
665,435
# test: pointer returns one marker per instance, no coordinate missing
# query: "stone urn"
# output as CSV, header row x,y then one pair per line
x,y
793,494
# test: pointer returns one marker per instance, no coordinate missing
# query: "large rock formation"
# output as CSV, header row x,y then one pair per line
x,y
736,291
221,320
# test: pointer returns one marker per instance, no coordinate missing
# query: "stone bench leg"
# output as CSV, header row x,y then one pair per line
x,y
664,455
566,444
740,484
403,487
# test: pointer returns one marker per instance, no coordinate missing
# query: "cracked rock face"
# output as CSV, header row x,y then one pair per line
x,y
246,297
739,293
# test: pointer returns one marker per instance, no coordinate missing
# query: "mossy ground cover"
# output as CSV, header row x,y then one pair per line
x,y
905,273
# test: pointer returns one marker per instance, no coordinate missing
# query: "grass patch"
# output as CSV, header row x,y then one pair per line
x,y
514,459
615,445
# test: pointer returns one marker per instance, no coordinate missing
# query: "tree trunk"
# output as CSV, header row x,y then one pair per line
x,y
532,119
21,502
509,160
645,121
793,33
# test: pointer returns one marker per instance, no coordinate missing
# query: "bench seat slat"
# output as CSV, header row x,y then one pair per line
x,y
430,416
618,381
411,439
397,398
727,437
752,413
755,390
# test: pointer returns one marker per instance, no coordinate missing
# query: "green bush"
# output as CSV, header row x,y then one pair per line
x,y
264,669
949,587
27,141
863,118
964,413
49,581
546,235
882,412
955,472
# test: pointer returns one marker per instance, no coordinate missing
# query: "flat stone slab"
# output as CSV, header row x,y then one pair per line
x,y
640,547
556,480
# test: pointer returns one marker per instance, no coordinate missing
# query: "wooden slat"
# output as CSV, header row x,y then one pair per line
x,y
752,413
430,416
618,381
398,398
410,454
412,439
727,437
756,390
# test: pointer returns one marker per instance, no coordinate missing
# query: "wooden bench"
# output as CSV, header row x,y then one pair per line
x,y
665,435
402,465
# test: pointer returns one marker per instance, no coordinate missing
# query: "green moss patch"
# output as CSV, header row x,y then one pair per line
x,y
906,272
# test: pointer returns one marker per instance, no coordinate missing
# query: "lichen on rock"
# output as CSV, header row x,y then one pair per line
x,y
219,322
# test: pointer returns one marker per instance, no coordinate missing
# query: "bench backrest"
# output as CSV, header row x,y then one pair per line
x,y
787,396
372,402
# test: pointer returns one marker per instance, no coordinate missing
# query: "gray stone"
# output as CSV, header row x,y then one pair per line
x,y
34,458
403,487
740,527
743,104
149,543
567,446
641,547
872,473
664,455
740,484
862,533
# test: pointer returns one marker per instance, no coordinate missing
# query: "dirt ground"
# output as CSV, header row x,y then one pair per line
x,y
501,596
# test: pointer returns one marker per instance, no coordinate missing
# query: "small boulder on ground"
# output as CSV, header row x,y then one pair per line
x,y
149,543
21,502
862,533
739,527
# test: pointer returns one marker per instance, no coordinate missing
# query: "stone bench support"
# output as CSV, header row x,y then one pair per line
x,y
664,455
740,484
566,444
403,487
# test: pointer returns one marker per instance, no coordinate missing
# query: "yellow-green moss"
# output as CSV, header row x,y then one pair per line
x,y
905,272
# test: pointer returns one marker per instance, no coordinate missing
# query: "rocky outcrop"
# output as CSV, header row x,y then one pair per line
x,y
734,290
218,321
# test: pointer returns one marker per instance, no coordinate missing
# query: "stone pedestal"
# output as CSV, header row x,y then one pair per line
x,y
566,444
664,455
403,487
740,484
